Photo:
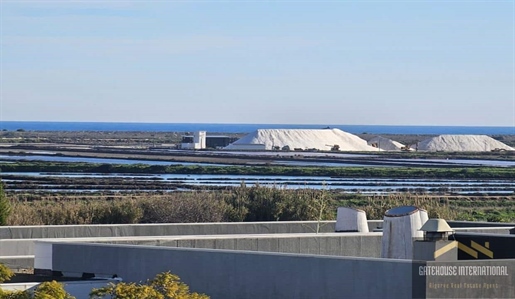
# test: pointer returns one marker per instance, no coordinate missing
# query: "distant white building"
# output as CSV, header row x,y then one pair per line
x,y
197,141
200,140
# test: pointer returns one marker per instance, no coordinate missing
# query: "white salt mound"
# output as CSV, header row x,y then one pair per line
x,y
322,139
462,143
385,144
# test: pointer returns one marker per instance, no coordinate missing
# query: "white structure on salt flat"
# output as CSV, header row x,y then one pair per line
x,y
197,141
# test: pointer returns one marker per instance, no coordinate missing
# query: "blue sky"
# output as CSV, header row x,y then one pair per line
x,y
298,62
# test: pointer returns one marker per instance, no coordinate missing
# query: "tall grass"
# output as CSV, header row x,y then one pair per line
x,y
5,206
198,207
376,206
254,203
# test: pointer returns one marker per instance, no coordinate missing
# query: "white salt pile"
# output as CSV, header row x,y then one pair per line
x,y
385,144
323,139
462,143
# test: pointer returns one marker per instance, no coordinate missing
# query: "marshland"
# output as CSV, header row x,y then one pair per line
x,y
139,177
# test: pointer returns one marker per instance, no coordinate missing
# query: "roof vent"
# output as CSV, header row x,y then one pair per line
x,y
436,230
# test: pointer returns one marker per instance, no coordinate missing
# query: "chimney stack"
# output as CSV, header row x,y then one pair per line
x,y
436,245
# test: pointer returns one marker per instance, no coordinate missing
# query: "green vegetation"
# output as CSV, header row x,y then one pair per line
x,y
46,290
5,273
51,290
255,203
188,207
5,206
378,172
163,286
15,295
243,203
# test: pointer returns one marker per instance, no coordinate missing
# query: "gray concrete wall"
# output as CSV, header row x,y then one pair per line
x,y
338,244
373,224
16,247
307,242
18,262
19,241
162,229
455,224
506,230
344,244
240,275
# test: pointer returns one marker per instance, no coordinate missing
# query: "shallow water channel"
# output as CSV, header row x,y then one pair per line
x,y
347,160
83,183
79,182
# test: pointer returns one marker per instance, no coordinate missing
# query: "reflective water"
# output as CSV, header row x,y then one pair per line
x,y
51,158
500,163
374,185
372,162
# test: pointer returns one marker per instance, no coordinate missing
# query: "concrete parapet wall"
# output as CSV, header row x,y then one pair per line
x,y
18,261
338,244
290,237
241,274
166,229
455,224
342,244
17,247
163,229
238,274
364,245
374,224
500,230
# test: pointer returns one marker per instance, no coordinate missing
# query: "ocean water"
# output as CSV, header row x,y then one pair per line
x,y
247,128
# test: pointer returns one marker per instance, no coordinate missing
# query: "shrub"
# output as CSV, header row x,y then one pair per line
x,y
5,273
46,290
118,212
163,286
51,290
187,207
256,203
14,295
5,206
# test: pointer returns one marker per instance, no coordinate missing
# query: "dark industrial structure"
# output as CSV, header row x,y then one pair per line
x,y
209,142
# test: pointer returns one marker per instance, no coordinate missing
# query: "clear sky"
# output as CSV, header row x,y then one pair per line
x,y
298,62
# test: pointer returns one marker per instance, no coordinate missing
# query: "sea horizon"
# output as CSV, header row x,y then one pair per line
x,y
247,128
